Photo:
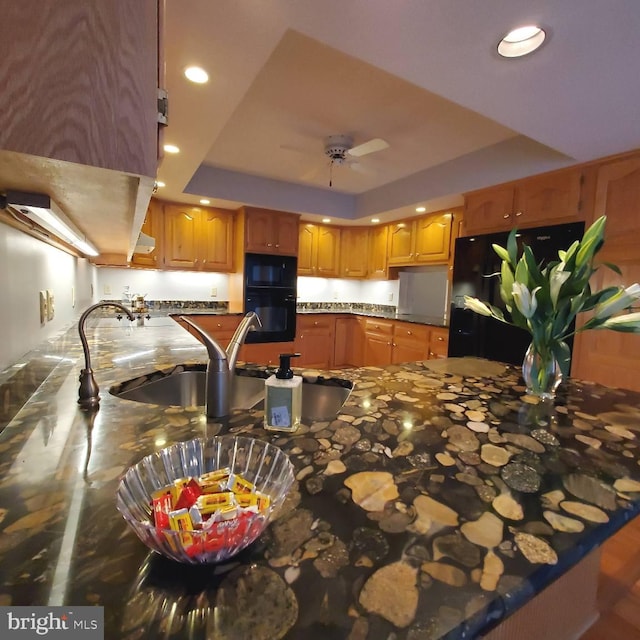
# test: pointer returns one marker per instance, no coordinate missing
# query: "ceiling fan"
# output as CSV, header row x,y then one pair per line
x,y
340,151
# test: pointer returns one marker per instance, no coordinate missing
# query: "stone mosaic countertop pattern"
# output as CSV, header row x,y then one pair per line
x,y
439,500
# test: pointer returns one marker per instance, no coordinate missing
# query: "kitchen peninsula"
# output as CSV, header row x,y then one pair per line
x,y
438,502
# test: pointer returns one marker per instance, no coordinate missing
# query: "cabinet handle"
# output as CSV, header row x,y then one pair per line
x,y
315,324
440,339
195,261
269,244
408,332
518,214
277,246
506,215
219,325
394,344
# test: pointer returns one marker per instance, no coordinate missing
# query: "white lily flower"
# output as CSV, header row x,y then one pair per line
x,y
525,300
629,323
476,306
621,300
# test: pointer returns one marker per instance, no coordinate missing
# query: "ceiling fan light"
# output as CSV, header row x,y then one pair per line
x,y
521,41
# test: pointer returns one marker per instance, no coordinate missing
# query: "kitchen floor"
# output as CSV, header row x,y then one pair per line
x,y
619,588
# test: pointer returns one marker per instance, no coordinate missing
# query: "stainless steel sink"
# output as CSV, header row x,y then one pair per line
x,y
186,387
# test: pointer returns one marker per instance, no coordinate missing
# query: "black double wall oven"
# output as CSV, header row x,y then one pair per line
x,y
270,289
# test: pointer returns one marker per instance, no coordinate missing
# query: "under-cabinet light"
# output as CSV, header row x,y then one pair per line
x,y
42,210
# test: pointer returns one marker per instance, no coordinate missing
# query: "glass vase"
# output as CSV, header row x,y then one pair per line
x,y
541,372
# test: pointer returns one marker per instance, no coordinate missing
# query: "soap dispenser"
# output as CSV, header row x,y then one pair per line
x,y
283,397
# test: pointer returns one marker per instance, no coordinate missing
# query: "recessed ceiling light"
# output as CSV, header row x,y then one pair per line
x,y
375,220
196,74
171,148
421,209
160,184
326,220
205,201
521,41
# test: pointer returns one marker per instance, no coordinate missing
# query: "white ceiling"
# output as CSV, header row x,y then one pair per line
x,y
422,74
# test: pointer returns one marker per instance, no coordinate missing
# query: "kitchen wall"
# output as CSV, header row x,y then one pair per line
x,y
29,266
189,285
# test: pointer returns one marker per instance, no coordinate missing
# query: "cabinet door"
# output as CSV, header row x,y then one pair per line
x,y
181,237
216,240
307,249
433,236
354,252
328,253
153,226
438,342
314,340
548,199
221,327
258,232
378,265
410,342
83,83
609,357
286,234
378,342
267,353
401,243
488,210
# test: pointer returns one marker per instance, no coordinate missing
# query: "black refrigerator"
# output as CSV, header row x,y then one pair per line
x,y
476,270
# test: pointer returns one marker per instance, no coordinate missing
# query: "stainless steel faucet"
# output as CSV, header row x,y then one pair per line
x,y
89,391
222,364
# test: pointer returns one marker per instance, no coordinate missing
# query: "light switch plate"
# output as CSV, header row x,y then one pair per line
x,y
43,307
51,307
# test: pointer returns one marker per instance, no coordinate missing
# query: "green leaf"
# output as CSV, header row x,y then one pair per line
x,y
613,267
562,354
522,273
512,247
506,283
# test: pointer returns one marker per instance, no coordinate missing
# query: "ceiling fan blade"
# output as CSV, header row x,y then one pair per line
x,y
371,146
359,168
305,152
315,172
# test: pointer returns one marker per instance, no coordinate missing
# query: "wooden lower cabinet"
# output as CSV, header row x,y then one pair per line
x,y
348,350
266,353
328,340
609,357
221,326
314,340
410,342
438,342
378,342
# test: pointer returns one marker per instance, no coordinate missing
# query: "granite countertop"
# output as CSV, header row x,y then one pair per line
x,y
438,501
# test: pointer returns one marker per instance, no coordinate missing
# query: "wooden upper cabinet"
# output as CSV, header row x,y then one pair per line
x,y
216,240
198,239
80,83
153,226
319,250
432,238
180,237
488,210
354,252
547,199
608,357
422,240
328,261
378,264
273,232
400,243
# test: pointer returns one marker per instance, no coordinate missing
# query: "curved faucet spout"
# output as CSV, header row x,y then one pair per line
x,y
222,364
250,322
88,394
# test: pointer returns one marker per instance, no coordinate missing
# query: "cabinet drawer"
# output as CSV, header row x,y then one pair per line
x,y
315,322
379,327
408,332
